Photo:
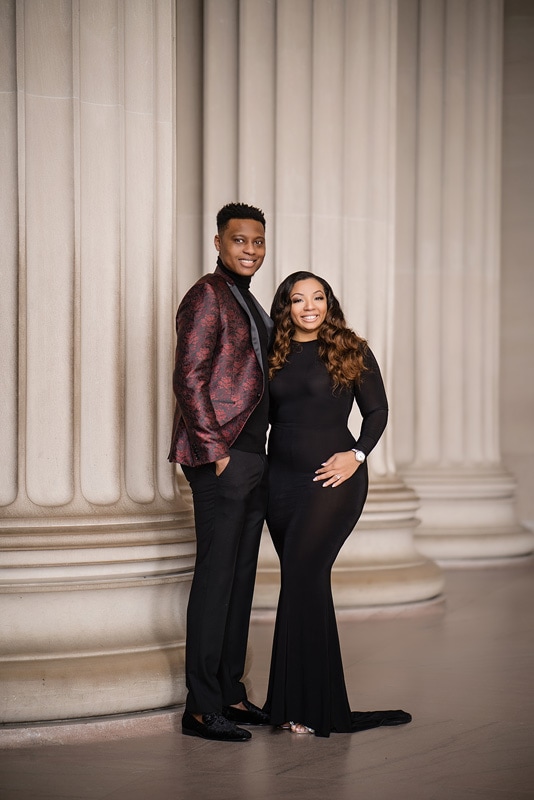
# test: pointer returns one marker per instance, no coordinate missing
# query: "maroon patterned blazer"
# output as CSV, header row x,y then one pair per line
x,y
218,376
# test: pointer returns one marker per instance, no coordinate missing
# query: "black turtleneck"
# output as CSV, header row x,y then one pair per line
x,y
253,436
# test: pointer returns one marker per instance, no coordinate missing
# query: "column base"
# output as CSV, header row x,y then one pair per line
x,y
92,729
468,515
92,615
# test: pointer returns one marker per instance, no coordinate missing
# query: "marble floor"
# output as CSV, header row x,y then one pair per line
x,y
464,669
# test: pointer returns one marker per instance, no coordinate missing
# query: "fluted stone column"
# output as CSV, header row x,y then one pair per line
x,y
239,95
97,549
335,215
448,309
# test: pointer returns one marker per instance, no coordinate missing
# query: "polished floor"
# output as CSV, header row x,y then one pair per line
x,y
465,670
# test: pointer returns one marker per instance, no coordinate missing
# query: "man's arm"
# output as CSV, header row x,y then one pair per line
x,y
198,331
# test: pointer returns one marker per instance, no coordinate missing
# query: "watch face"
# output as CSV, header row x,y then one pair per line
x,y
359,456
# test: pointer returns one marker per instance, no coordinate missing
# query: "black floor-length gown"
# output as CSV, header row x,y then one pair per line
x,y
308,525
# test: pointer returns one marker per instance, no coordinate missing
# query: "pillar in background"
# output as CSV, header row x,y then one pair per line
x,y
335,128
517,275
97,549
447,303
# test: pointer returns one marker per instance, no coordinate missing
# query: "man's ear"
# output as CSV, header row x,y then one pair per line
x,y
217,242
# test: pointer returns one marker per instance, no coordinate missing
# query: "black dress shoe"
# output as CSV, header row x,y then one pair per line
x,y
252,716
363,720
213,726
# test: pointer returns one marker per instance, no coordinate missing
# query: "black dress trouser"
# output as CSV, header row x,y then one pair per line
x,y
229,516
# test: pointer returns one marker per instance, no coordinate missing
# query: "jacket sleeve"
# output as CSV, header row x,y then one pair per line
x,y
371,398
198,323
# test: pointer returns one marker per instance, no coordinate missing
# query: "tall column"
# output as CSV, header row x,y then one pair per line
x,y
97,549
239,122
335,215
8,256
450,451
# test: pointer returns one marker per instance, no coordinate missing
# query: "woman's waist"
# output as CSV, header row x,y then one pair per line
x,y
304,426
318,441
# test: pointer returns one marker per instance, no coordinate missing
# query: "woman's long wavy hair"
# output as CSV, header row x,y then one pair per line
x,y
339,347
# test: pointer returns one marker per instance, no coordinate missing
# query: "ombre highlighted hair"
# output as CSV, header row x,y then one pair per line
x,y
339,347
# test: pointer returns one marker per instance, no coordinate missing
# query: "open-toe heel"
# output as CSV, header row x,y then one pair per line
x,y
298,727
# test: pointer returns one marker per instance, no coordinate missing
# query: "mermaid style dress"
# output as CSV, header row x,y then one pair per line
x,y
308,525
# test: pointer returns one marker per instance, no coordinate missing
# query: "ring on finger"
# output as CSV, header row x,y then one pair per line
x,y
338,477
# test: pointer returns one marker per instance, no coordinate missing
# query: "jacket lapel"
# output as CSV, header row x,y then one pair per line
x,y
254,335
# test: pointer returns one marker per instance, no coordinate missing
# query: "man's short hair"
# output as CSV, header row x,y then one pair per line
x,y
238,211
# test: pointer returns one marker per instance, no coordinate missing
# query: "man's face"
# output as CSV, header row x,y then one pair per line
x,y
241,246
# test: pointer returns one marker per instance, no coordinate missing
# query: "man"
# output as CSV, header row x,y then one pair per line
x,y
220,426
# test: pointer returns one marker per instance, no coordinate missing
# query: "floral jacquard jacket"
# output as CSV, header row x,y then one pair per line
x,y
218,377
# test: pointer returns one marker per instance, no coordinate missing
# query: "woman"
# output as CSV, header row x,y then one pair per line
x,y
318,486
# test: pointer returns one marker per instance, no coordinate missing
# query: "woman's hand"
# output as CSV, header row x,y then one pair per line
x,y
339,468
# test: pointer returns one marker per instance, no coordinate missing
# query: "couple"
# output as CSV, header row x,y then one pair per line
x,y
234,375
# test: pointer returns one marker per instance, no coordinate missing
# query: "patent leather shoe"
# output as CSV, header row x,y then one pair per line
x,y
252,716
213,726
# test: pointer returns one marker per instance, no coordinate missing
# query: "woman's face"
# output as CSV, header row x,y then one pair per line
x,y
308,309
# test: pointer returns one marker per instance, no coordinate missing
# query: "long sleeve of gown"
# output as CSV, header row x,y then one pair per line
x,y
371,398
